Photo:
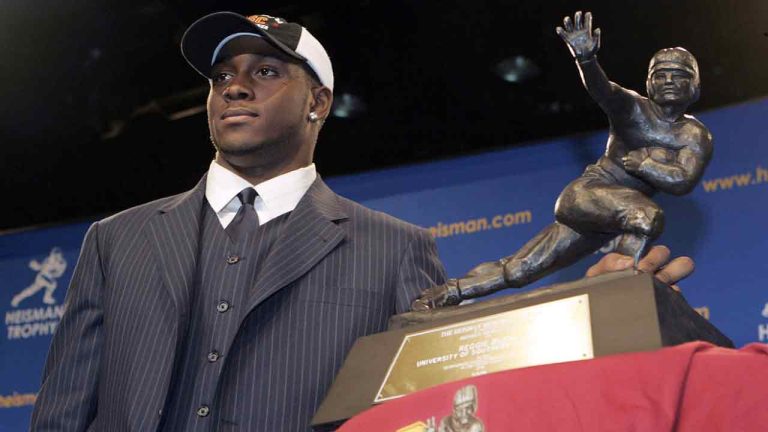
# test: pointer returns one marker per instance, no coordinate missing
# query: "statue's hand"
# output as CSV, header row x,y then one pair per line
x,y
633,160
447,294
578,35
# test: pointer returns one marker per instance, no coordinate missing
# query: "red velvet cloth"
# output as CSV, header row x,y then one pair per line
x,y
690,387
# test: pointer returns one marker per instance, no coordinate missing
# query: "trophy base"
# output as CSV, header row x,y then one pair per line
x,y
609,314
678,321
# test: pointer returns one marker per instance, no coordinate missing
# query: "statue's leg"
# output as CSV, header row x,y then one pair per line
x,y
555,247
593,205
634,245
589,212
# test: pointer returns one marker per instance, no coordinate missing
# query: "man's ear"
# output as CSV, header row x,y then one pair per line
x,y
322,99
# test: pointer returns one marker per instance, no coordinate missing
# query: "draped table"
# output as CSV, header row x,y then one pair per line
x,y
691,387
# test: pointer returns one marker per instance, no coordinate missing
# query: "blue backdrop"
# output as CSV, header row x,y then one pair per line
x,y
479,208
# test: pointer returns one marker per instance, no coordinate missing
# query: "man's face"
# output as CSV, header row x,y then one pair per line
x,y
258,105
671,86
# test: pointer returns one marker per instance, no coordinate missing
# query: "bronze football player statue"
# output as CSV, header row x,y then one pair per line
x,y
652,146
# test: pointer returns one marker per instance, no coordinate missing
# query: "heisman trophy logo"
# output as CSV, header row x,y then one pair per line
x,y
52,267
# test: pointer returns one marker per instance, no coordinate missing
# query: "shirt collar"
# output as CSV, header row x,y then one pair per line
x,y
278,195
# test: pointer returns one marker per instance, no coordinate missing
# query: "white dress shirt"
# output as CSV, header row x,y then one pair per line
x,y
277,196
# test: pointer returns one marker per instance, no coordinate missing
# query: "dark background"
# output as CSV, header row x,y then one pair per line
x,y
100,111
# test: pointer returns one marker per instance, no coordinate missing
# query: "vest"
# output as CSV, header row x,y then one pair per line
x,y
226,273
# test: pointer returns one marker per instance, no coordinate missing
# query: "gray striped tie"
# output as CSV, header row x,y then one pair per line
x,y
246,220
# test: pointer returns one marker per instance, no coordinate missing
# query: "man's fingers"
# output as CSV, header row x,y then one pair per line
x,y
588,22
577,23
654,260
671,273
678,269
610,263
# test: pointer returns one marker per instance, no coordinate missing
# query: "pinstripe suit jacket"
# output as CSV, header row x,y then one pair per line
x,y
338,272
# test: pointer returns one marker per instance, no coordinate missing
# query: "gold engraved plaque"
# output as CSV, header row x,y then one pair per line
x,y
552,332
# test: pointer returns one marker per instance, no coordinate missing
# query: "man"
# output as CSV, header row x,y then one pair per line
x,y
652,146
232,306
199,312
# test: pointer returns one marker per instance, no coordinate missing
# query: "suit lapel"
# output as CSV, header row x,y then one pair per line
x,y
310,233
174,233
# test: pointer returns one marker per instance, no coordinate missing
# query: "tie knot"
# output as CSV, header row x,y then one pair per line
x,y
247,196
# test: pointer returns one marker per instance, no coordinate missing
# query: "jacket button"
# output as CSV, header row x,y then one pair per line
x,y
233,259
222,307
213,356
203,411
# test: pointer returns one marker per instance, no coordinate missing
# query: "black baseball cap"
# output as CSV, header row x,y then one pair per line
x,y
204,39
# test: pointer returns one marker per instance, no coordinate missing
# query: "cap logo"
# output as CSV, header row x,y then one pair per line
x,y
266,21
259,19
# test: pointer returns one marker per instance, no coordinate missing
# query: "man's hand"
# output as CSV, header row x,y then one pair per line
x,y
438,296
633,160
656,262
578,35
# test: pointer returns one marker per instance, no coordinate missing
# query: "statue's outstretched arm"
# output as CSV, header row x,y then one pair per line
x,y
679,175
583,43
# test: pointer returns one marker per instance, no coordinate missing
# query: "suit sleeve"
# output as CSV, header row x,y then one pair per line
x,y
67,397
420,268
